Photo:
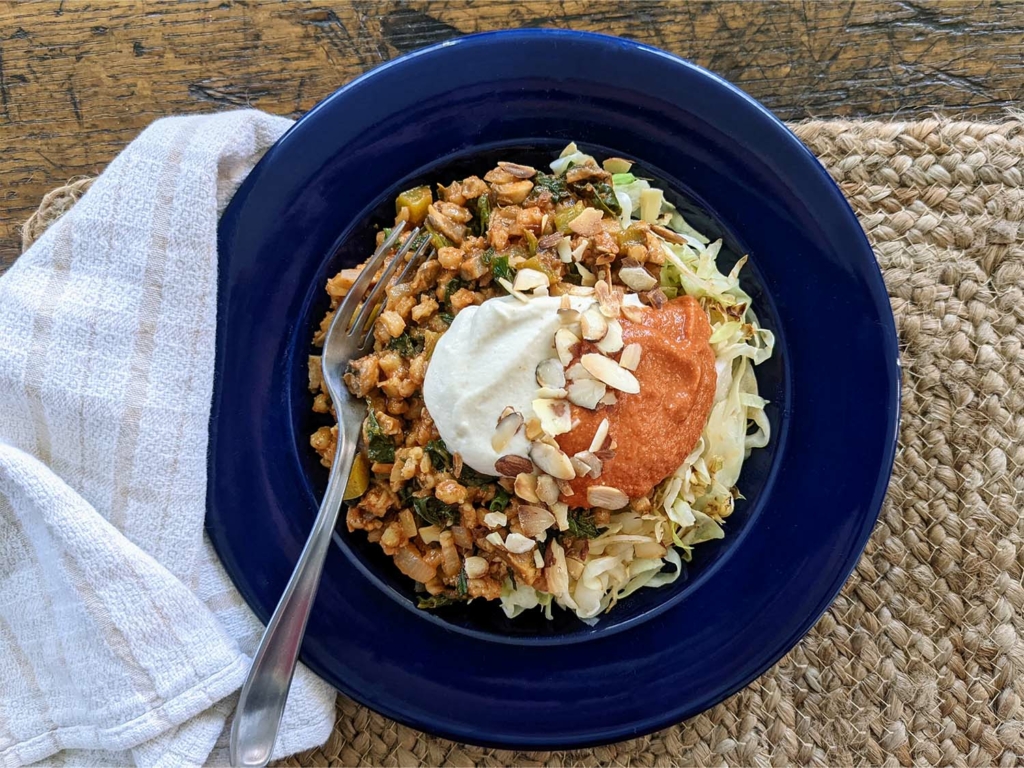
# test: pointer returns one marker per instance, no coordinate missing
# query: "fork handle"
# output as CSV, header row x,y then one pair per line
x,y
261,703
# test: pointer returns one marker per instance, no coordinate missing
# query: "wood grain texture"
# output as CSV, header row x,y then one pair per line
x,y
78,80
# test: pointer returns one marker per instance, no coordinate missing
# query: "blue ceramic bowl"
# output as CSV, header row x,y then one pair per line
x,y
309,209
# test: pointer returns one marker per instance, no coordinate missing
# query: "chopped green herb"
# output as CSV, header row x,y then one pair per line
x,y
448,317
600,195
470,476
553,184
406,345
378,445
483,214
435,511
512,577
439,240
581,524
462,585
454,285
500,500
404,495
440,458
500,268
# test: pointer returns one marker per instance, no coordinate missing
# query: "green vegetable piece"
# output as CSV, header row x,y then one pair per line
x,y
417,200
620,179
435,601
500,500
500,268
440,458
378,445
600,195
462,585
435,511
483,214
581,524
554,184
447,317
406,345
454,285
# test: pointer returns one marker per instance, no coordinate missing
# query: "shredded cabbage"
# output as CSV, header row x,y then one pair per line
x,y
688,508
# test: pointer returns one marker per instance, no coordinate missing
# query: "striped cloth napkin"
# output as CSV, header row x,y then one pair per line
x,y
122,641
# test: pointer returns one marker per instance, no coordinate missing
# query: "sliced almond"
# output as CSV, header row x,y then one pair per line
x,y
609,398
430,534
561,512
633,313
594,463
527,279
612,341
519,544
579,290
534,520
504,283
556,574
564,250
609,300
547,489
611,373
574,567
588,223
566,488
630,357
551,373
552,394
526,487
586,276
565,340
576,371
538,558
517,170
667,234
533,428
600,435
637,278
495,539
512,466
580,250
508,425
567,315
581,467
495,520
593,324
550,459
617,165
554,415
586,393
607,497
476,567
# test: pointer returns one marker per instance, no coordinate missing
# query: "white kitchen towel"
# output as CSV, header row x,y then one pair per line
x,y
121,638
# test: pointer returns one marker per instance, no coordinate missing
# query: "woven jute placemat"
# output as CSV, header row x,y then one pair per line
x,y
920,660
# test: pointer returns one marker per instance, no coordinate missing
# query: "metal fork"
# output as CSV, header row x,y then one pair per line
x,y
263,696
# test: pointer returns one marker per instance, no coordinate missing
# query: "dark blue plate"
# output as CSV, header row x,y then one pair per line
x,y
814,494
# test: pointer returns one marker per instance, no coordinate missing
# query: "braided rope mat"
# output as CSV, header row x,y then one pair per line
x,y
920,660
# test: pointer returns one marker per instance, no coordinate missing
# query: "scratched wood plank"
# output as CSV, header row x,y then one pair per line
x,y
79,79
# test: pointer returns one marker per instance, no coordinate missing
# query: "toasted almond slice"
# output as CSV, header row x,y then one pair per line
x,y
579,290
564,250
586,276
600,435
495,519
517,170
538,558
566,488
504,283
565,340
586,393
561,512
555,417
576,371
534,520
593,324
551,373
607,497
495,539
610,301
552,394
633,313
580,250
667,234
609,398
511,465
547,489
526,487
612,341
476,567
550,459
527,279
588,223
556,574
507,427
611,373
593,463
519,544
630,357
533,428
637,278
581,467
567,315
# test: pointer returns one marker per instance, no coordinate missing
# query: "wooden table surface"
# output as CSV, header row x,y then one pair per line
x,y
78,80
